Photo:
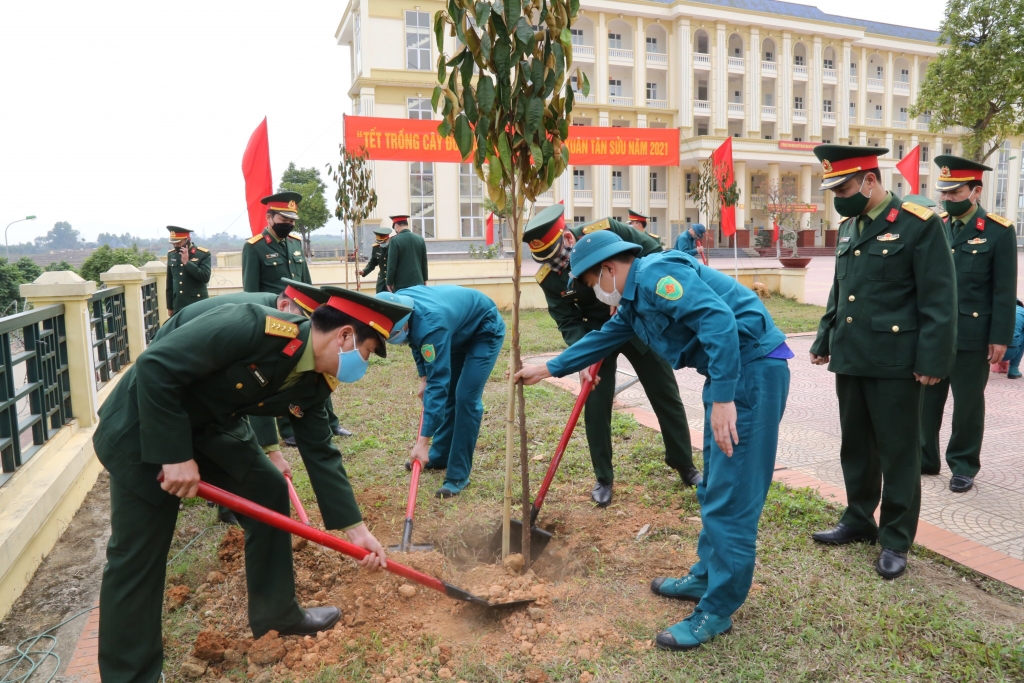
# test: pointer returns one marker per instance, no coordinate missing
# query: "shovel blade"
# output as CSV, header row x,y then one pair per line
x,y
422,548
459,594
539,539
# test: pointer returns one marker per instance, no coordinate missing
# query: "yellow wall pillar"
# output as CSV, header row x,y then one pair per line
x,y
158,269
130,278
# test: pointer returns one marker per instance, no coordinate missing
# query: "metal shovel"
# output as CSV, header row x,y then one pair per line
x,y
296,502
407,546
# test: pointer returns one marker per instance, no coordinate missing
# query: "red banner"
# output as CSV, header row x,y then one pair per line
x,y
258,181
388,139
722,159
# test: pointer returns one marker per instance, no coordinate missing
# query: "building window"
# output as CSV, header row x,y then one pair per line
x,y
879,72
689,183
702,128
899,151
769,99
652,45
902,116
577,36
924,154
421,198
878,112
797,138
579,179
769,56
798,60
654,181
948,150
615,87
417,41
617,181
1002,178
828,63
615,41
904,76
737,98
825,141
617,218
652,91
798,103
471,202
853,69
579,219
768,136
419,108
853,110
702,91
826,106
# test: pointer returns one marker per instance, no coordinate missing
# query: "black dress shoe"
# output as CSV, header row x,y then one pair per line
x,y
691,476
316,619
842,534
290,441
341,431
961,483
227,517
602,494
891,564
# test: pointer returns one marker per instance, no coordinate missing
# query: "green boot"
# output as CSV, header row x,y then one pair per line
x,y
693,631
687,588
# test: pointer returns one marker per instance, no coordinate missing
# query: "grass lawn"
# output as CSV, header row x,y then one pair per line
x,y
814,614
792,317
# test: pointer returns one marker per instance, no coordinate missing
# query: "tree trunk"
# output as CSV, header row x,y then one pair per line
x,y
344,260
510,417
355,242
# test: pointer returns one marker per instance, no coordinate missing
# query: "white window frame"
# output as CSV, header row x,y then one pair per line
x,y
617,182
652,91
471,203
422,220
615,87
417,41
653,180
615,41
418,108
579,179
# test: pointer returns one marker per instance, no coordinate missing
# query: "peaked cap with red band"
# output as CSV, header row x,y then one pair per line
x,y
306,297
637,216
840,162
955,171
379,314
179,233
284,203
544,232
399,218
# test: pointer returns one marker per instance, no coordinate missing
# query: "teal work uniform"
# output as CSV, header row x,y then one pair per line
x,y
577,311
984,250
407,261
687,243
378,260
240,362
1015,351
694,316
186,284
455,335
266,259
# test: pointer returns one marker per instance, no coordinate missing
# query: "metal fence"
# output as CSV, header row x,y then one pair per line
x,y
35,389
109,333
150,309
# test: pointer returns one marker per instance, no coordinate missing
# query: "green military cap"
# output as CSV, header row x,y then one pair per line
x,y
637,216
544,232
840,162
179,233
919,199
382,233
284,203
306,297
378,313
955,171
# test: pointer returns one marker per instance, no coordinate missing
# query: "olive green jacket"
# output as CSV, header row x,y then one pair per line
x,y
265,260
189,392
890,313
379,260
407,261
174,322
576,310
186,284
986,279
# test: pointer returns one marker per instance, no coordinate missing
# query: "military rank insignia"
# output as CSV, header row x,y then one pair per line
x,y
295,410
669,288
888,237
427,350
893,213
977,240
980,224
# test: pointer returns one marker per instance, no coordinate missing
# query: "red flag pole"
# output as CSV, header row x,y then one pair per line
x,y
256,171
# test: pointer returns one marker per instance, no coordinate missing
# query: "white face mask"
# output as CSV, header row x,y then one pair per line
x,y
611,298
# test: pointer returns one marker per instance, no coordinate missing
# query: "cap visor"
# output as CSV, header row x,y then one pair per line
x,y
946,186
829,183
382,345
288,214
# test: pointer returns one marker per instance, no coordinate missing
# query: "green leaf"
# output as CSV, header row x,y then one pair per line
x,y
460,28
469,104
485,94
453,8
498,9
483,12
439,31
537,72
444,128
574,8
502,48
563,132
435,97
504,153
467,69
570,99
513,11
586,84
463,135
537,156
485,48
566,39
493,171
534,115
524,32
441,71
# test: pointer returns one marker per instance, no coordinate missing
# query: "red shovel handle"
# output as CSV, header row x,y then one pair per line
x,y
289,525
566,435
296,502
414,485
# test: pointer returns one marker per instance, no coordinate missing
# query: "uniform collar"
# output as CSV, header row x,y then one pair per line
x,y
966,218
629,289
272,234
882,206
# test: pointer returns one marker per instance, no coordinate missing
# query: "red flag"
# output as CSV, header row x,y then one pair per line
x,y
775,231
910,167
722,159
489,233
258,181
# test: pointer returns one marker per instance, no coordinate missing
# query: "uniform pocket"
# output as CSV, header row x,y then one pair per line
x,y
974,321
241,382
886,261
973,258
842,260
894,339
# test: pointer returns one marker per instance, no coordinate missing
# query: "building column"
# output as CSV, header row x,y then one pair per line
x,y
564,192
785,87
816,94
739,169
773,173
754,82
601,59
914,67
805,194
640,183
685,63
720,71
640,65
843,95
888,99
862,89
602,179
65,287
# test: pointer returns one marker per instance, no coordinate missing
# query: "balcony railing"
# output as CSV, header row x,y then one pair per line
x,y
897,123
580,98
901,87
583,195
659,197
657,59
701,60
768,112
583,51
618,100
622,197
109,333
736,64
876,84
769,69
620,55
829,75
150,309
800,115
853,82
736,109
701,107
657,104
873,122
800,72
35,390
828,117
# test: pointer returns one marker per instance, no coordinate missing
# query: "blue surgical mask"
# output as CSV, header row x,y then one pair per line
x,y
351,365
402,336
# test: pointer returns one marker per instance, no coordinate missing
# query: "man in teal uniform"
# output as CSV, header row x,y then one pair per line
x,y
1015,353
379,258
407,256
179,426
688,241
455,334
984,249
577,311
188,270
696,317
887,333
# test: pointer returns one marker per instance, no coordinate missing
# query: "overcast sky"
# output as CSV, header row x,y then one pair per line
x,y
121,115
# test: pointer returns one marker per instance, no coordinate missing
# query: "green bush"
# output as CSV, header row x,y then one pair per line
x,y
60,265
104,258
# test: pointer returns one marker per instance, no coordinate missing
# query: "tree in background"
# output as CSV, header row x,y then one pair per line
x,y
978,79
777,202
313,213
104,258
513,122
60,236
60,265
356,198
708,193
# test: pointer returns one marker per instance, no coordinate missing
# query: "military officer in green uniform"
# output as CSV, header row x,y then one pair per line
x,y
379,258
244,359
577,311
407,256
888,331
188,270
984,250
275,253
639,221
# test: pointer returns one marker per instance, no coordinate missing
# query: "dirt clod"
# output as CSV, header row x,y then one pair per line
x,y
232,547
193,668
514,562
535,675
268,649
586,677
407,591
177,596
444,673
299,544
214,577
210,646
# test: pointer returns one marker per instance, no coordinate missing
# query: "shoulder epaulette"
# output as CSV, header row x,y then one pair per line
x,y
651,234
255,238
171,251
602,224
544,271
293,237
332,381
204,249
1005,222
281,328
943,215
921,212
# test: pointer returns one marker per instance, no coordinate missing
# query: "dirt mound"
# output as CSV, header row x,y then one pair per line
x,y
210,646
231,550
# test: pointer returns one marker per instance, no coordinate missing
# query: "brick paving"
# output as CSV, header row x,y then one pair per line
x,y
84,667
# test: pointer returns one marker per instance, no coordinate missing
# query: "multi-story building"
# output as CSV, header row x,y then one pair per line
x,y
775,76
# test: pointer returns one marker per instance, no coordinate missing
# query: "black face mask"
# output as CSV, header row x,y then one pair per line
x,y
282,229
